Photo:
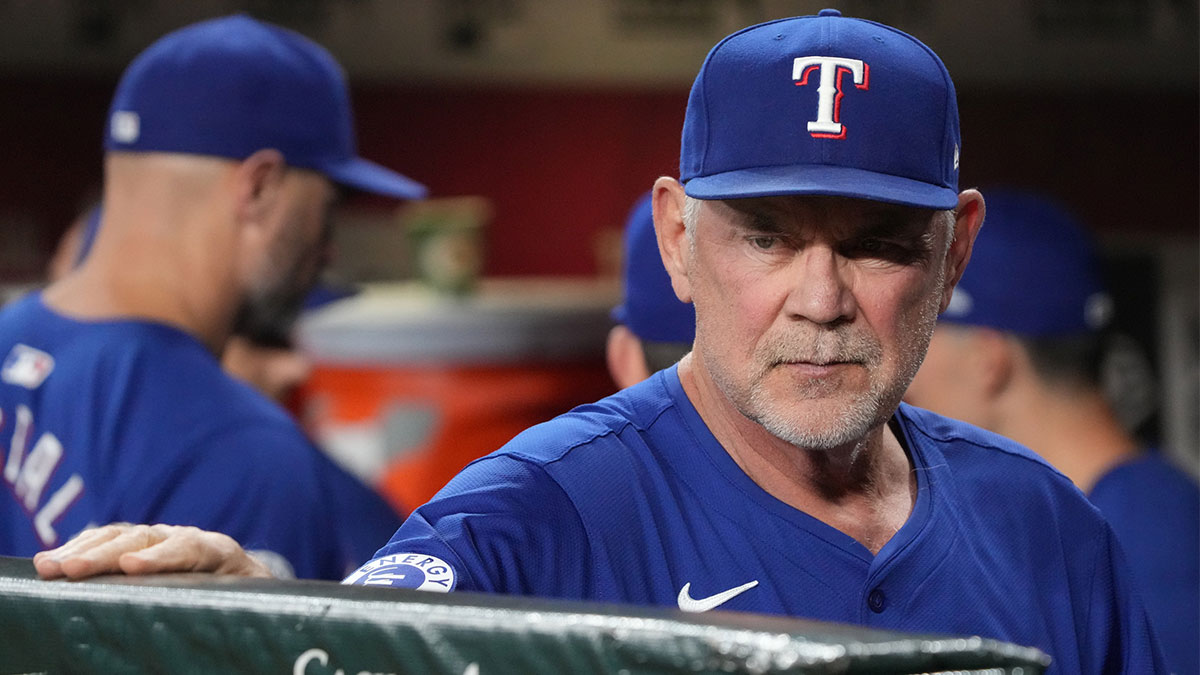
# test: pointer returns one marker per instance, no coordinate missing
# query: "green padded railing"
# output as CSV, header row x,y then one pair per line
x,y
192,623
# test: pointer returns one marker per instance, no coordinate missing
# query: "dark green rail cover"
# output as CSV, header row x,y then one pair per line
x,y
205,624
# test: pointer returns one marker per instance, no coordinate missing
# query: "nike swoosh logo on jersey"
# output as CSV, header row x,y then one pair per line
x,y
689,604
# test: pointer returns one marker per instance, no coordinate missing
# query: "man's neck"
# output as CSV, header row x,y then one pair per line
x,y
170,283
1077,433
866,489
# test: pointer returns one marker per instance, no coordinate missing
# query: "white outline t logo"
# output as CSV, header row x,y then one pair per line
x,y
829,91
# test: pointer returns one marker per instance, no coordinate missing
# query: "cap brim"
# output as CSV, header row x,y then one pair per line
x,y
821,180
368,176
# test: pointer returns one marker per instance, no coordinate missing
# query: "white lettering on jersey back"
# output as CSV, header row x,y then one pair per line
x,y
20,440
26,367
36,470
829,89
29,475
62,498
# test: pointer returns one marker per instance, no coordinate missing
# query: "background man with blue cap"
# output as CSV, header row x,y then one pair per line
x,y
817,228
654,329
1019,351
225,145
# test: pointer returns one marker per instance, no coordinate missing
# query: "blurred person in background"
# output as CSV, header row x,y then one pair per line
x,y
1019,352
226,145
267,360
275,367
653,328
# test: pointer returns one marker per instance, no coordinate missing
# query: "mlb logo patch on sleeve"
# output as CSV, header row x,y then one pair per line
x,y
406,570
26,367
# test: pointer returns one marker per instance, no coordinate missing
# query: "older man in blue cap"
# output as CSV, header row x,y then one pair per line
x,y
226,144
1019,352
817,228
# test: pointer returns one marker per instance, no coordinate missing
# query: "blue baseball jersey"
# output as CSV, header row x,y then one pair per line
x,y
131,420
632,500
1155,510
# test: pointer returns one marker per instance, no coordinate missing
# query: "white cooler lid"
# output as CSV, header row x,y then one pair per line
x,y
505,320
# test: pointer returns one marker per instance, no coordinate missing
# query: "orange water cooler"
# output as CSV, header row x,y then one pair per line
x,y
409,385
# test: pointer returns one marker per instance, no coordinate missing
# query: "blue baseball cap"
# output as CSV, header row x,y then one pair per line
x,y
651,309
1034,271
822,105
232,86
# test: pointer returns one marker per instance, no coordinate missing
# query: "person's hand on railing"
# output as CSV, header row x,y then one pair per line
x,y
122,548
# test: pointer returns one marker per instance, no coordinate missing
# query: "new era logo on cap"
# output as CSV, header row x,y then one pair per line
x,y
960,303
125,126
823,105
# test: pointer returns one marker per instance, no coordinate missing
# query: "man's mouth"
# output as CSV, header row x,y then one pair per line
x,y
819,362
815,368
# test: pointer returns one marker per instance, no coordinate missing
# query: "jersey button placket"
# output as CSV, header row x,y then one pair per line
x,y
876,600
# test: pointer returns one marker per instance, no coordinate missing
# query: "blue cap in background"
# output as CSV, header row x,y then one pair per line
x,y
1034,271
650,310
822,105
232,86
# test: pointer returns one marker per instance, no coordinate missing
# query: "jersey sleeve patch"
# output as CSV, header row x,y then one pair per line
x,y
406,570
26,366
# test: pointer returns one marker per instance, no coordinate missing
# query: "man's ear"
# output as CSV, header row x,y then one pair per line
x,y
968,218
258,181
667,203
995,353
625,357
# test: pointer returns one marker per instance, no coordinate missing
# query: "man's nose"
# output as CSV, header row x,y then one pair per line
x,y
821,290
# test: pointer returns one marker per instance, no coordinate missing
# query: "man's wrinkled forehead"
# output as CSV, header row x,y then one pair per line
x,y
778,213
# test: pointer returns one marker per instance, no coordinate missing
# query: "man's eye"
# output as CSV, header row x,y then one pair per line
x,y
883,249
871,246
764,243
